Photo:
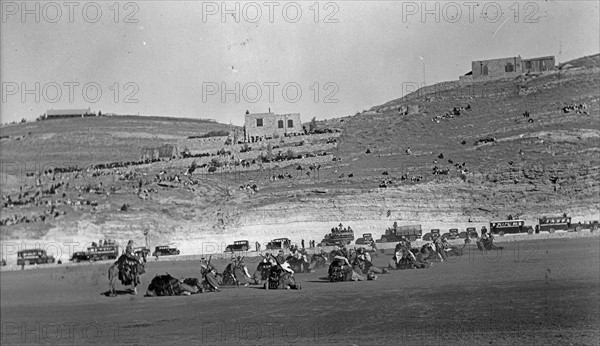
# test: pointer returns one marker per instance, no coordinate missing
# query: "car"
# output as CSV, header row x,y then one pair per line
x,y
34,256
451,234
401,233
142,251
471,233
591,225
432,235
238,245
279,244
80,256
165,250
366,239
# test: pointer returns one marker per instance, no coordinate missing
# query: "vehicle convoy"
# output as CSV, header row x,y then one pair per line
x,y
238,245
339,236
509,227
34,256
279,244
366,239
401,233
165,250
553,224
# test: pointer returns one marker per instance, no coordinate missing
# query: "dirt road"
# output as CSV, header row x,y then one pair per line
x,y
533,292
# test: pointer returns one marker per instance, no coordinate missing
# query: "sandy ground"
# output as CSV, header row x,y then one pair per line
x,y
533,292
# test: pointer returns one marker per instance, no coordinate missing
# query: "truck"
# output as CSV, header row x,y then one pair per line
x,y
401,233
341,237
34,256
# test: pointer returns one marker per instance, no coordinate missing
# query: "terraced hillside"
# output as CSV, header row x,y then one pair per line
x,y
526,147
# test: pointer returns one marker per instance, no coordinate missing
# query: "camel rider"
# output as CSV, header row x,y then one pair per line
x,y
440,247
280,257
209,273
337,252
129,255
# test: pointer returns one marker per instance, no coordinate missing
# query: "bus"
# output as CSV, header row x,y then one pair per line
x,y
509,227
103,252
33,256
552,224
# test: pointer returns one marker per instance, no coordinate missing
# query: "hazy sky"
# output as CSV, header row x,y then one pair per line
x,y
176,57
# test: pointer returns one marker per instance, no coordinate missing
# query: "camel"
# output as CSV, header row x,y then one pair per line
x,y
126,271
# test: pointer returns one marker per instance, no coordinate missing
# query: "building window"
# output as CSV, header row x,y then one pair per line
x,y
290,123
280,124
259,122
528,65
509,68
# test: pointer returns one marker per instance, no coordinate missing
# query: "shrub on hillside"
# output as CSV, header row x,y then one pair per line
x,y
214,133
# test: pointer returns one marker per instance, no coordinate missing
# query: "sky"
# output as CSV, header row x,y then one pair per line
x,y
215,60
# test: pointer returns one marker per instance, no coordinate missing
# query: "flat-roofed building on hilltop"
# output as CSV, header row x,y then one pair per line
x,y
261,126
68,113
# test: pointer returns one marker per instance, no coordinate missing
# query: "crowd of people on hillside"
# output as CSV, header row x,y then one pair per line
x,y
455,112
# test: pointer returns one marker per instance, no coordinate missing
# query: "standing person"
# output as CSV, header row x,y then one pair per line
x,y
257,245
302,242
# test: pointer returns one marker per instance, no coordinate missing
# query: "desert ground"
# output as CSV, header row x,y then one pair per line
x,y
535,292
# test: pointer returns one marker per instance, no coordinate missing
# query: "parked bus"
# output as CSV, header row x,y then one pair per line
x,y
509,227
552,224
33,256
103,252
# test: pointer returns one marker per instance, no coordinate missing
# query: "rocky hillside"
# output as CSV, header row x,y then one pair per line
x,y
441,156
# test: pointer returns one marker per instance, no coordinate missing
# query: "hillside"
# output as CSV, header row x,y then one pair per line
x,y
86,141
489,161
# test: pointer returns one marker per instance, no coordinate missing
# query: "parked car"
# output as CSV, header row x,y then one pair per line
x,y
279,244
238,245
366,239
591,225
451,234
143,251
472,233
432,235
165,250
80,256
